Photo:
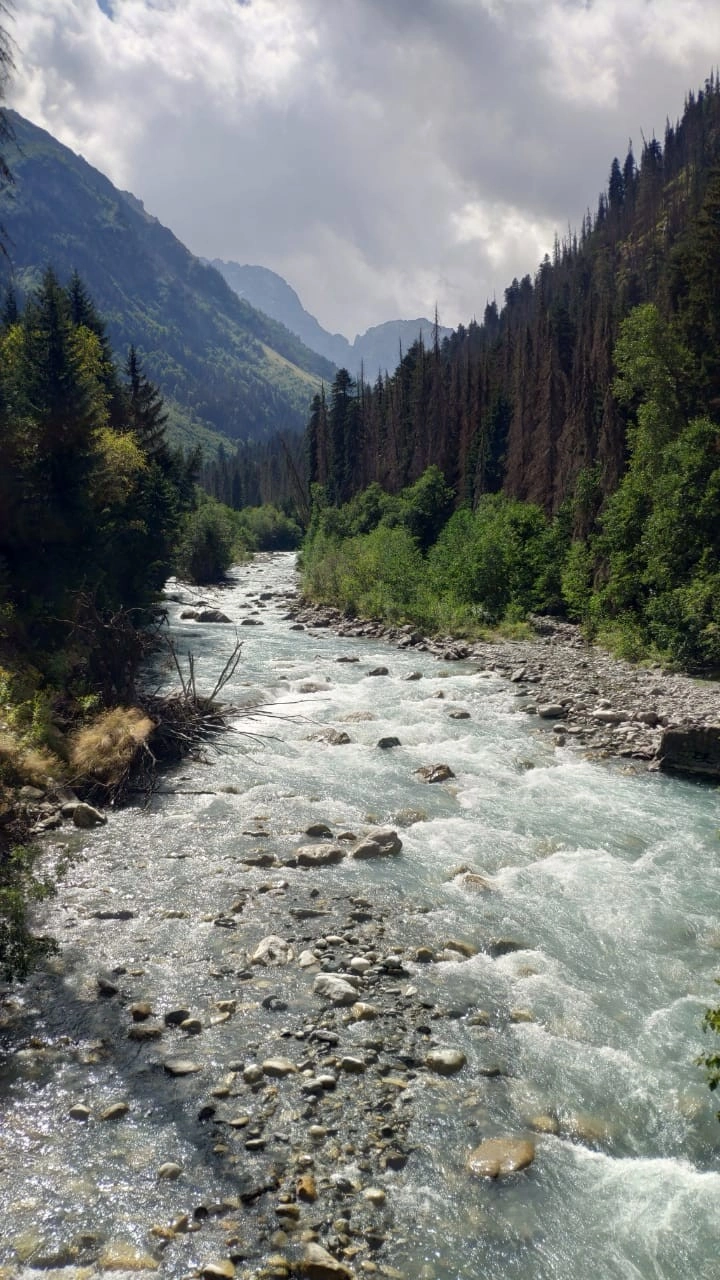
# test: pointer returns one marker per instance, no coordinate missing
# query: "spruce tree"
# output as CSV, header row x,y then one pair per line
x,y
145,411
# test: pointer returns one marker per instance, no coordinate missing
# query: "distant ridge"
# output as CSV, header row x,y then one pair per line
x,y
376,349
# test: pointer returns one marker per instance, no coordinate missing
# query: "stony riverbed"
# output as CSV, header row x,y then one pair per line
x,y
325,1009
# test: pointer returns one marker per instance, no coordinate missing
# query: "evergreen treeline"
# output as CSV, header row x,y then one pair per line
x,y
576,428
260,472
523,401
91,496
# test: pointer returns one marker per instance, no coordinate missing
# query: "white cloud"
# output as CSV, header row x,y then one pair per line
x,y
381,154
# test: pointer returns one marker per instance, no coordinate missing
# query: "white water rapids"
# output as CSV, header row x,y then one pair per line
x,y
607,882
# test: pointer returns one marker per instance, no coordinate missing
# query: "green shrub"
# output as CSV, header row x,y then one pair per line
x,y
267,528
206,545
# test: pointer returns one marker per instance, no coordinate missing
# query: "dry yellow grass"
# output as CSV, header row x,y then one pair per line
x,y
33,765
104,749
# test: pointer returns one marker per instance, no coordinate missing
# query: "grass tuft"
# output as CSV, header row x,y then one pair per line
x,y
105,749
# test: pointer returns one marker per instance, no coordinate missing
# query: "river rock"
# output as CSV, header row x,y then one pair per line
x,y
319,1084
379,671
465,949
362,1011
435,772
79,1111
306,1188
115,1111
181,1066
499,1157
473,882
414,675
222,1270
378,843
545,1124
318,831
459,715
203,615
175,1017
119,1256
85,817
386,744
170,1171
273,950
318,1264
339,991
191,1026
695,750
445,1061
106,987
498,947
589,1129
319,855
279,1067
140,1011
550,711
145,1031
374,1195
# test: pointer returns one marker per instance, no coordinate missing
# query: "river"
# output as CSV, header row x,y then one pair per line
x,y
592,955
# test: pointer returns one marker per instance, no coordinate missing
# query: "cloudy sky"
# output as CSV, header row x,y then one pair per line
x,y
382,155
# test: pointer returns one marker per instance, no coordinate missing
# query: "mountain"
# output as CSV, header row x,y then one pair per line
x,y
225,369
376,349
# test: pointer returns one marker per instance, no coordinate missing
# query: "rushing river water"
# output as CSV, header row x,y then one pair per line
x,y
605,883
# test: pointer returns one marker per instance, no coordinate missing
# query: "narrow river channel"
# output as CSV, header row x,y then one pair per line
x,y
586,939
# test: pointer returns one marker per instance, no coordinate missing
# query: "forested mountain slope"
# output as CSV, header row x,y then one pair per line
x,y
524,400
221,365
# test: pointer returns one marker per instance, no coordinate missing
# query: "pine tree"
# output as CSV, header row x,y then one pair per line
x,y
145,412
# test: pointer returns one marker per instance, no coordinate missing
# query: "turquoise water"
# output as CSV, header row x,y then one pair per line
x,y
606,882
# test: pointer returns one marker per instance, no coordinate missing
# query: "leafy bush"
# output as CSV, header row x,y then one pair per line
x,y
500,560
206,545
400,558
267,528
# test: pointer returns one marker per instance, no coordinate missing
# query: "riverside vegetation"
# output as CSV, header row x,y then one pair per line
x,y
93,503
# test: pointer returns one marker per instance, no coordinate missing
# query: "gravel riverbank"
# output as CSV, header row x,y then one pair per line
x,y
587,697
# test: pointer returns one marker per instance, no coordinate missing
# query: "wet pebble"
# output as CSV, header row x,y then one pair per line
x,y
181,1066
445,1061
115,1111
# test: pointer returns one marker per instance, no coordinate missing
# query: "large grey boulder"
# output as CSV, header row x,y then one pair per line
x,y
694,750
378,843
319,855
